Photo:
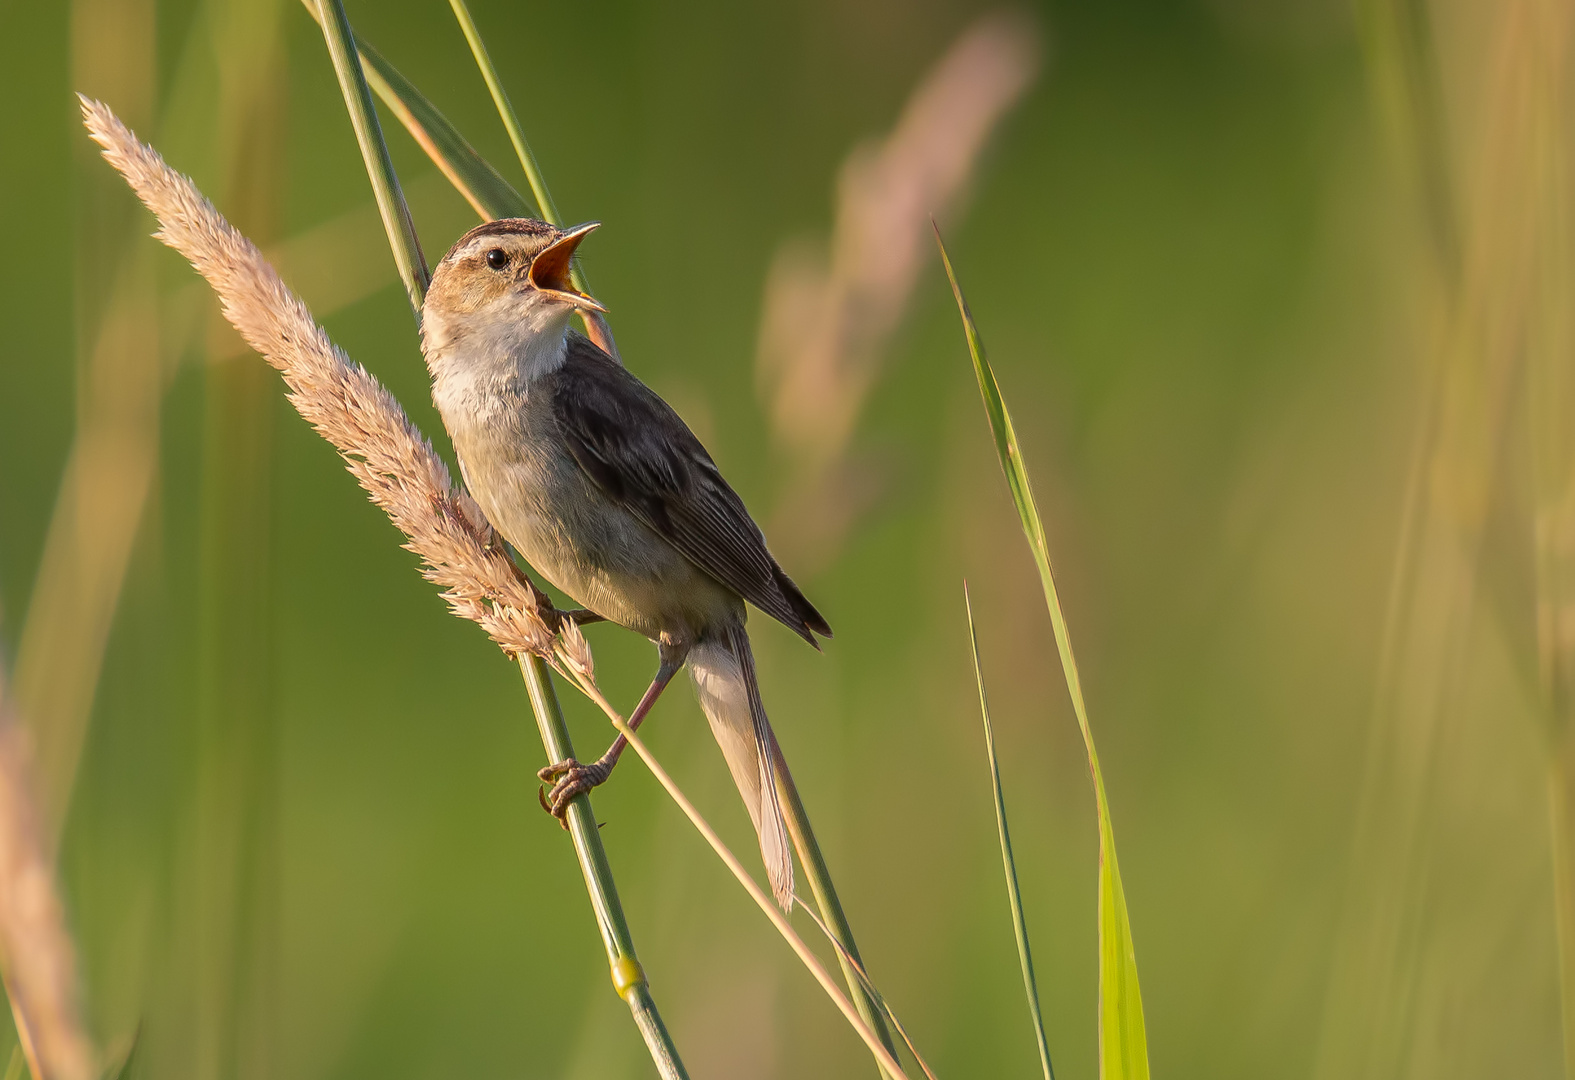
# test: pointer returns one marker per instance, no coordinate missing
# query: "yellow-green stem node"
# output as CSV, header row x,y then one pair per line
x,y
626,975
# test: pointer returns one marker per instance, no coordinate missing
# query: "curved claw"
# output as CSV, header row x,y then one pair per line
x,y
541,797
569,780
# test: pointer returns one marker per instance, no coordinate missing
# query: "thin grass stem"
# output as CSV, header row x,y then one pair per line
x,y
391,205
595,324
511,122
1123,1039
825,890
473,177
868,985
883,1054
1014,893
627,974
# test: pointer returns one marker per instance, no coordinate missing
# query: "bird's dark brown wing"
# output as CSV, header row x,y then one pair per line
x,y
638,451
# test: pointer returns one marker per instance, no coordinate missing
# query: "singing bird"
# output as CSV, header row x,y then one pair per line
x,y
605,491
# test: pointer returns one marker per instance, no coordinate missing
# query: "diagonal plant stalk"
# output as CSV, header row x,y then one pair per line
x,y
1014,893
571,657
885,1056
511,124
820,883
1123,1040
627,975
595,323
482,186
488,193
869,987
473,177
478,182
374,151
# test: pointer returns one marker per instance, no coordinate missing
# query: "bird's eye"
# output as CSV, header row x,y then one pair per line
x,y
497,258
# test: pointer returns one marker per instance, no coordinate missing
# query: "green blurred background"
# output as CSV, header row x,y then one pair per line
x,y
1218,268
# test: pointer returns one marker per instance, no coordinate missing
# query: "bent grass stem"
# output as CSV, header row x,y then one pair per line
x,y
762,899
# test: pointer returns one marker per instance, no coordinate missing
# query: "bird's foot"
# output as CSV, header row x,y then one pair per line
x,y
569,779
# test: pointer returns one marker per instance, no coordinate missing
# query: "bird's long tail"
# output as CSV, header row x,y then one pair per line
x,y
724,677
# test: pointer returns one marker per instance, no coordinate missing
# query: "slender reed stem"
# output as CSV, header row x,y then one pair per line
x,y
820,883
869,987
1014,893
627,975
1561,792
478,182
595,324
374,151
511,122
1123,1040
885,1055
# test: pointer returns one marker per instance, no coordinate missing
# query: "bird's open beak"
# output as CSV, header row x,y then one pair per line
x,y
550,270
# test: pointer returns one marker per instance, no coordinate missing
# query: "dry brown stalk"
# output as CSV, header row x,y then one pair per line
x,y
92,529
763,900
383,450
112,465
37,957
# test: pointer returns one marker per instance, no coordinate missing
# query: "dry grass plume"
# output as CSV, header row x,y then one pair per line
x,y
383,450
37,956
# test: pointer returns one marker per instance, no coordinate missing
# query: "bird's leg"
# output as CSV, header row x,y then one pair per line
x,y
570,778
582,616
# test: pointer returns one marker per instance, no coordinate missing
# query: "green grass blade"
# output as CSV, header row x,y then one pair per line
x,y
1013,890
374,151
1123,1044
813,860
869,987
472,176
511,124
481,185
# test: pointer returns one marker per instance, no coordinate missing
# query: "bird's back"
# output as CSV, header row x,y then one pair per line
x,y
642,457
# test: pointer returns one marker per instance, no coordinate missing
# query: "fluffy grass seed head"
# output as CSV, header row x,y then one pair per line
x,y
345,403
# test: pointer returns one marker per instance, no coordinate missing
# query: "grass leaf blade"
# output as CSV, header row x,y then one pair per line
x,y
1013,891
488,193
482,186
595,324
1123,1042
374,151
511,122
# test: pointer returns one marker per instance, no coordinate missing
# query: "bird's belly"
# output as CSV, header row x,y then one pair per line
x,y
595,551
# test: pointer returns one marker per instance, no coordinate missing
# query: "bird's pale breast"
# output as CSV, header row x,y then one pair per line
x,y
538,497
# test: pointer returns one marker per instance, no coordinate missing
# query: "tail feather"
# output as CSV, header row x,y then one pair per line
x,y
724,677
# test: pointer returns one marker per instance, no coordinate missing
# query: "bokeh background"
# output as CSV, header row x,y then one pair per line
x,y
1279,293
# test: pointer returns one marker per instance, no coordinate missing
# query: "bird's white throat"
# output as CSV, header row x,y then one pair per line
x,y
514,343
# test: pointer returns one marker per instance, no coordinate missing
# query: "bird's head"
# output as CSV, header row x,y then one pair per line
x,y
504,279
